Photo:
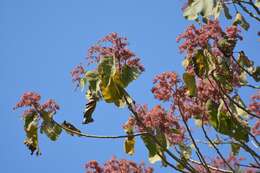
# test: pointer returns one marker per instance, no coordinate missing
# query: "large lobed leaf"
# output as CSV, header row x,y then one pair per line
x,y
225,123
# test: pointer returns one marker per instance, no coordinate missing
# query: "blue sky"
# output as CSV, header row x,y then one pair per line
x,y
41,41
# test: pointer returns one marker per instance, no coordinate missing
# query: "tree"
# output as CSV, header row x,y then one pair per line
x,y
207,92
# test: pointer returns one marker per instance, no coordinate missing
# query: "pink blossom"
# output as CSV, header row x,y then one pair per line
x,y
113,45
117,166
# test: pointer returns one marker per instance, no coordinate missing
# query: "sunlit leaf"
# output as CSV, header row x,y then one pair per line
x,y
49,127
217,9
256,74
200,63
31,128
130,146
126,75
190,83
240,20
152,148
106,69
199,7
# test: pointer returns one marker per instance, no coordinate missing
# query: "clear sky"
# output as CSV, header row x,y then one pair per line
x,y
42,40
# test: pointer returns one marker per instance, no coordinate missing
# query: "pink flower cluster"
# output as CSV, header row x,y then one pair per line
x,y
113,45
32,99
50,106
254,105
232,160
117,166
164,85
28,99
207,36
157,118
77,73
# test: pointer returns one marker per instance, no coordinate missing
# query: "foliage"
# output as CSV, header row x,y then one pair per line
x,y
208,93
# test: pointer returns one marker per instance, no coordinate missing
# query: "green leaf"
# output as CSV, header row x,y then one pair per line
x,y
212,109
235,148
190,83
127,75
256,74
186,151
51,129
240,111
240,20
31,129
152,148
226,11
160,136
93,79
200,63
225,123
199,7
224,80
106,69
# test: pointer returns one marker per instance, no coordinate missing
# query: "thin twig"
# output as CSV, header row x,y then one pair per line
x,y
192,139
217,150
247,11
211,167
185,165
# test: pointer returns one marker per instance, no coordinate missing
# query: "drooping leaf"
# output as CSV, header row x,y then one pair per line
x,y
256,74
226,11
190,83
152,148
199,7
92,77
129,146
240,111
212,109
200,63
244,61
49,127
89,109
127,75
240,20
225,123
217,9
235,148
106,69
71,127
224,80
114,93
31,130
160,136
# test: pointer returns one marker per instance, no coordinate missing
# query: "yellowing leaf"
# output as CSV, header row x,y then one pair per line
x,y
126,75
106,69
31,128
130,146
240,20
190,83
